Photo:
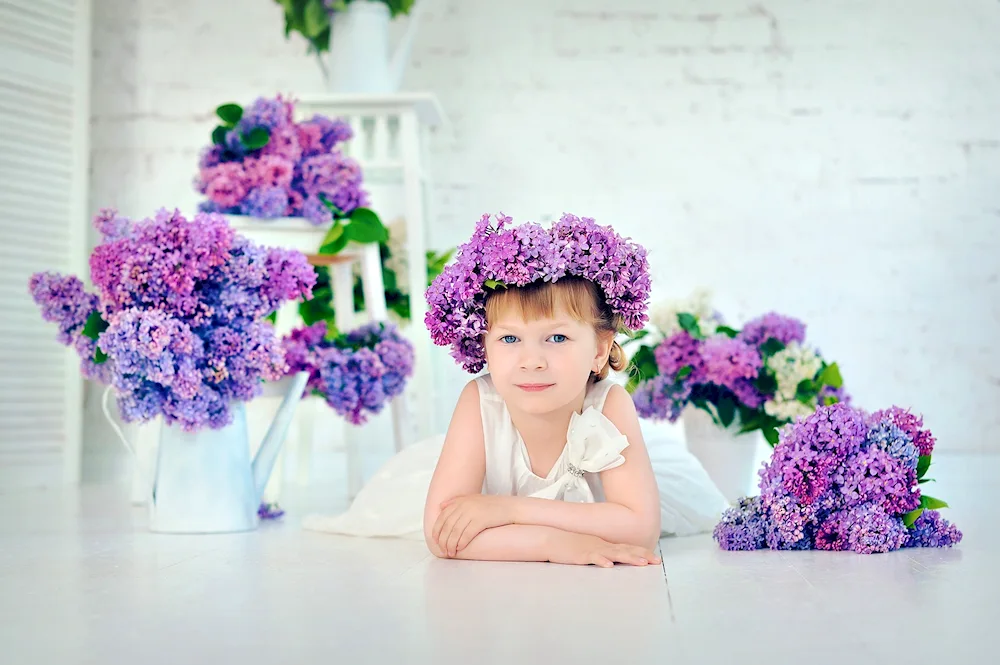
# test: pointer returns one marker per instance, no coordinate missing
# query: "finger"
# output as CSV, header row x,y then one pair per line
x,y
439,524
445,504
470,532
442,524
626,555
454,519
645,553
456,536
602,561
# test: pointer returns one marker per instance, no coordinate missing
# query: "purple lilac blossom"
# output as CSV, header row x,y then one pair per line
x,y
357,373
182,301
304,159
772,325
839,480
519,255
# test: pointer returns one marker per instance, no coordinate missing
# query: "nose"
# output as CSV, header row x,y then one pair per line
x,y
532,358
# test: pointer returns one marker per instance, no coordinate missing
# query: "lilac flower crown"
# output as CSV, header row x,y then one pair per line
x,y
498,256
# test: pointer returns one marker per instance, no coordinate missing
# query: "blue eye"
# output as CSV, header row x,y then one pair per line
x,y
559,339
508,339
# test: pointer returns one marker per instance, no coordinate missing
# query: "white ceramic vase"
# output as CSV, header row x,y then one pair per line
x,y
729,458
359,60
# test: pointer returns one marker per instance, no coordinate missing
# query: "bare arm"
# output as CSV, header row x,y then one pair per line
x,y
460,472
462,466
631,512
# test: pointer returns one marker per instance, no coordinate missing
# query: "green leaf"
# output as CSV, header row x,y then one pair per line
x,y
689,322
806,391
930,503
726,330
926,480
230,114
334,234
256,138
337,212
99,356
771,346
830,399
437,263
331,331
645,361
684,372
389,280
704,405
639,334
493,284
750,419
219,135
766,383
95,325
911,517
923,463
272,317
831,376
365,227
727,411
315,19
771,435
334,247
315,310
645,368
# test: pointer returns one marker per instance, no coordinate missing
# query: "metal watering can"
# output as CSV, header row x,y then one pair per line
x,y
360,58
205,481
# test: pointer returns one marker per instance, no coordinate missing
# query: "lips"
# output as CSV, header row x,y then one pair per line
x,y
534,387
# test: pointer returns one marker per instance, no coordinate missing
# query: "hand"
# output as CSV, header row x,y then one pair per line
x,y
465,517
583,550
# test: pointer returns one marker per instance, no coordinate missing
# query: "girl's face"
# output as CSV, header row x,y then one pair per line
x,y
543,365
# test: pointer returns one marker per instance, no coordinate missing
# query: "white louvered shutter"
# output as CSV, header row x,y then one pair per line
x,y
44,118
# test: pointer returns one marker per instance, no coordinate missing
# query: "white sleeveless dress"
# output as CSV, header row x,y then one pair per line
x,y
391,504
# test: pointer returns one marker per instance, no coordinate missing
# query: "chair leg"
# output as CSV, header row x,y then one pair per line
x,y
354,471
307,429
400,420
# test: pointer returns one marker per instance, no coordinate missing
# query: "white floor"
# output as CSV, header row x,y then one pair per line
x,y
81,581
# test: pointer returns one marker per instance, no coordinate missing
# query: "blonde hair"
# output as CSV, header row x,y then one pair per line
x,y
581,298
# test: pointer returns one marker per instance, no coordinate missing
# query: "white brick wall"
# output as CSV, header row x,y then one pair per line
x,y
832,160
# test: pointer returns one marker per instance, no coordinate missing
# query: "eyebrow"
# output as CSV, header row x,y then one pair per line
x,y
555,324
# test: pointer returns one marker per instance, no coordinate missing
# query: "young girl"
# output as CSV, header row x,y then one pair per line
x,y
544,459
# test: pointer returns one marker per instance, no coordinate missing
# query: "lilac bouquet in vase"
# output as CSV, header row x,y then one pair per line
x,y
729,387
356,373
177,329
842,479
284,181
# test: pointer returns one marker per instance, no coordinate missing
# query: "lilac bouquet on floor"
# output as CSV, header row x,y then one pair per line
x,y
356,373
843,479
177,324
262,163
761,377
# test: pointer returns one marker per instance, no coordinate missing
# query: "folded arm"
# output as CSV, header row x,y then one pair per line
x,y
631,510
459,517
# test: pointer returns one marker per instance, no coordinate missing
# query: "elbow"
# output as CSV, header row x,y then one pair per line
x,y
646,532
433,546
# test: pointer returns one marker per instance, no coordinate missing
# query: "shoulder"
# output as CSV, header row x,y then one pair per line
x,y
470,394
614,399
620,410
484,388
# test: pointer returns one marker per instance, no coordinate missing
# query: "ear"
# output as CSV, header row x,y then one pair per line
x,y
604,342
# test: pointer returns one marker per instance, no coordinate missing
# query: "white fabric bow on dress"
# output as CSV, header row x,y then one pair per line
x,y
593,445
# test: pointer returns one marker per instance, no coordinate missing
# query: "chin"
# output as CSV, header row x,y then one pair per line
x,y
535,405
539,403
